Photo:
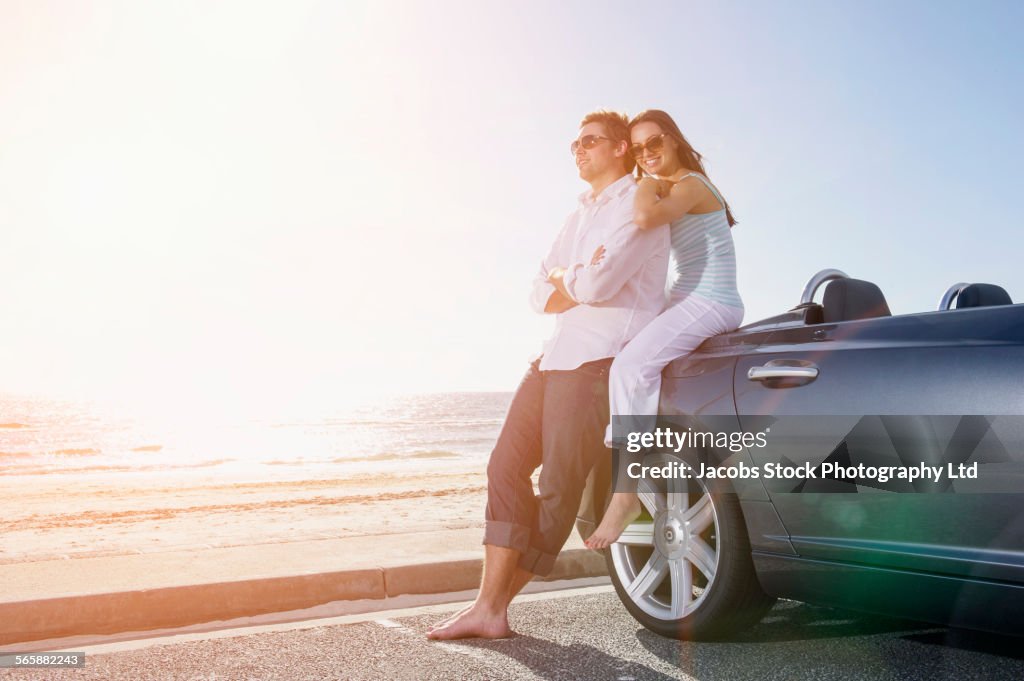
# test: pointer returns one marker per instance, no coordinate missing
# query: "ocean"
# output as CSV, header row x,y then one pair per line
x,y
440,431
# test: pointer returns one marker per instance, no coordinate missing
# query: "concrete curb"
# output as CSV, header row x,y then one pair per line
x,y
139,610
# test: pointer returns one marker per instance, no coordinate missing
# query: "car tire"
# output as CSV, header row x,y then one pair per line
x,y
691,537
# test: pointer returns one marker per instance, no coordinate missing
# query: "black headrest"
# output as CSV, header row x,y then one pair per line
x,y
850,299
982,295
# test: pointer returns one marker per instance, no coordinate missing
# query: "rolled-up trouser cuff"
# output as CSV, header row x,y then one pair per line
x,y
537,562
517,537
508,535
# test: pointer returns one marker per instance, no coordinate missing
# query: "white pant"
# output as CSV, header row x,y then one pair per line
x,y
634,385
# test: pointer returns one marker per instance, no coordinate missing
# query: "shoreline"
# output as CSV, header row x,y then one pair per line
x,y
80,516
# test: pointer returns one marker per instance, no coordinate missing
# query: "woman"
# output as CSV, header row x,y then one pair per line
x,y
703,300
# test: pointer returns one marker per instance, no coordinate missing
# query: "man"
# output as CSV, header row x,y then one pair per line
x,y
604,279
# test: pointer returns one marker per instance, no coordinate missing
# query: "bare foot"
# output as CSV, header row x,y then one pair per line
x,y
624,509
473,623
450,618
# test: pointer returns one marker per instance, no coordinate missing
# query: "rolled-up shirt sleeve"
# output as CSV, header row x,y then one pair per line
x,y
627,249
541,292
542,288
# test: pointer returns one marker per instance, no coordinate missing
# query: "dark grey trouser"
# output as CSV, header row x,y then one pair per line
x,y
556,421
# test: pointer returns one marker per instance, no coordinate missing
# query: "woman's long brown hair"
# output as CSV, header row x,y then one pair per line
x,y
689,157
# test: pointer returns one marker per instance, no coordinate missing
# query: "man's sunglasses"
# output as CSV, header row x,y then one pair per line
x,y
587,142
654,144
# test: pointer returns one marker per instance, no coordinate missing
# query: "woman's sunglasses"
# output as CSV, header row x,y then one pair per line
x,y
587,142
654,144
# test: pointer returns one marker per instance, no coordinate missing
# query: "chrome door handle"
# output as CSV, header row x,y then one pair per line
x,y
768,372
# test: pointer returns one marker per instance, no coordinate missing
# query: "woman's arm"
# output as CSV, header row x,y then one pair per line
x,y
659,202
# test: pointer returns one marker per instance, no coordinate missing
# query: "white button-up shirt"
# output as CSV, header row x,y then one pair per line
x,y
618,296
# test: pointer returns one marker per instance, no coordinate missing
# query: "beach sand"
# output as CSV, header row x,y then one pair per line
x,y
61,516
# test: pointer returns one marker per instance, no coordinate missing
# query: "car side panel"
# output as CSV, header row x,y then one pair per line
x,y
962,602
698,390
907,387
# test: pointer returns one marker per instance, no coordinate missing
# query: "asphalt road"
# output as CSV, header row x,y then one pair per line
x,y
567,635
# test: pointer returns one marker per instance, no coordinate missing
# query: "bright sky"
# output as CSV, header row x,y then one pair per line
x,y
301,202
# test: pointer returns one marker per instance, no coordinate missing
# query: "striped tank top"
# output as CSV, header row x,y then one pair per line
x,y
703,255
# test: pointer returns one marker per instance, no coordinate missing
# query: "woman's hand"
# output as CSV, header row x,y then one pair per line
x,y
660,202
598,255
660,188
648,183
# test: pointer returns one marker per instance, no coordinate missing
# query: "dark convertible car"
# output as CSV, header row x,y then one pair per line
x,y
844,383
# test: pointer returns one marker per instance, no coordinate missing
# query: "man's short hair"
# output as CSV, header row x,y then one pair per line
x,y
616,126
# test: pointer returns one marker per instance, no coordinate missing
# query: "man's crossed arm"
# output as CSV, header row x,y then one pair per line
x,y
560,300
560,286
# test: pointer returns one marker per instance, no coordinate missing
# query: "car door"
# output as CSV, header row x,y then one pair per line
x,y
928,389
